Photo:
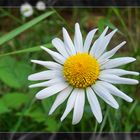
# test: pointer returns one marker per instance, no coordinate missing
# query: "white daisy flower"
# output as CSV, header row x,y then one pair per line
x,y
26,9
82,68
40,6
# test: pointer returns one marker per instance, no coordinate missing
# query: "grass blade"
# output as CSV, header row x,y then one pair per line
x,y
6,13
24,27
32,49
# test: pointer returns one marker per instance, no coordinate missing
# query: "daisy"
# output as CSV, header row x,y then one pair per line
x,y
82,68
40,6
26,10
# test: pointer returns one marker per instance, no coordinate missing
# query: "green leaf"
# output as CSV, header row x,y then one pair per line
x,y
52,124
36,114
24,27
14,73
15,100
3,108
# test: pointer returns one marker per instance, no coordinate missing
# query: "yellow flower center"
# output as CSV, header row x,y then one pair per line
x,y
81,70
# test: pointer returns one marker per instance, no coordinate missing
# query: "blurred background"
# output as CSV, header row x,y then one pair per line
x,y
74,2
20,38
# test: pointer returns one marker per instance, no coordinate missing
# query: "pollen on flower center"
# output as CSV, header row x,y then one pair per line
x,y
81,70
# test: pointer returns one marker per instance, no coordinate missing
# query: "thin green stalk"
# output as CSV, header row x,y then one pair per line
x,y
32,49
137,30
63,20
110,123
27,107
132,108
104,120
82,126
115,10
46,109
96,126
103,124
10,15
75,14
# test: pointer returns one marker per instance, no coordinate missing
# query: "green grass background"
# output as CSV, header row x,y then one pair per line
x,y
20,39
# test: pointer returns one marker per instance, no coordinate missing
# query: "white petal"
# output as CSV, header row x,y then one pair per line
x,y
56,56
59,45
44,75
110,53
104,43
115,91
78,40
79,107
88,40
94,104
48,64
49,91
105,95
103,62
70,104
61,97
118,72
116,62
68,43
47,83
98,42
104,32
117,80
